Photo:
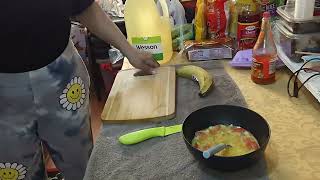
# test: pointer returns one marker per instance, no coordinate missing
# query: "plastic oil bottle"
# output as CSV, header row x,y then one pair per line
x,y
147,30
263,70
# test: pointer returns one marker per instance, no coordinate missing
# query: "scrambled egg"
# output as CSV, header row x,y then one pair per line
x,y
242,141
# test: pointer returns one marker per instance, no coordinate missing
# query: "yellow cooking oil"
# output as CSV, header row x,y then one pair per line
x,y
147,30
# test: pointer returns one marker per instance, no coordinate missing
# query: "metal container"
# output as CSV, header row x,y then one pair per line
x,y
298,26
291,43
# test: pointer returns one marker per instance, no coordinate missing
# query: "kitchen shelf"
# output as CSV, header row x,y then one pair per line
x,y
313,85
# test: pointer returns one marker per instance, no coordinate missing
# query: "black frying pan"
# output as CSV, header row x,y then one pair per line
x,y
225,114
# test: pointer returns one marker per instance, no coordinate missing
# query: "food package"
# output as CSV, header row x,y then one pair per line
x,y
218,16
209,49
181,33
200,21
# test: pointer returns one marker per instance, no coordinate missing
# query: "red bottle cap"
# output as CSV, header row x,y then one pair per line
x,y
266,15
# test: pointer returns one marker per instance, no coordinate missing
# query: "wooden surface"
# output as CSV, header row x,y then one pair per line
x,y
141,98
176,59
293,150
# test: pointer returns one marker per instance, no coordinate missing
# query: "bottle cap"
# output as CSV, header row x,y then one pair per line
x,y
266,15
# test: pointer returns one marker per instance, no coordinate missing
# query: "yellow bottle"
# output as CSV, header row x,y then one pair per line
x,y
147,30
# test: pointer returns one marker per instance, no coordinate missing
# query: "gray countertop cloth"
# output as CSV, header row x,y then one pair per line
x,y
167,157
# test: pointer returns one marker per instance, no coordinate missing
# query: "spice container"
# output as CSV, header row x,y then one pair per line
x,y
290,43
286,15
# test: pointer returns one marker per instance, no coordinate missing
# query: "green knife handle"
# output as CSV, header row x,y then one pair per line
x,y
142,135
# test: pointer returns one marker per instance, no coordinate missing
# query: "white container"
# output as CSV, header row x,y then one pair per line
x,y
304,9
286,15
290,5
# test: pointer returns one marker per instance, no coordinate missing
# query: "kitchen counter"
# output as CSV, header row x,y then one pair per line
x,y
293,150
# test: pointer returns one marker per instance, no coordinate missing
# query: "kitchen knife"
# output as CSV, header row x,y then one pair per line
x,y
142,135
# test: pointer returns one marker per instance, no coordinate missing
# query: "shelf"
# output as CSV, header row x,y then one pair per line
x,y
313,85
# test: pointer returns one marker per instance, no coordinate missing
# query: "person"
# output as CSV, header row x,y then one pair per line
x,y
44,85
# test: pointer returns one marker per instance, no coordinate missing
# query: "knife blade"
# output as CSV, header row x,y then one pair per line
x,y
142,135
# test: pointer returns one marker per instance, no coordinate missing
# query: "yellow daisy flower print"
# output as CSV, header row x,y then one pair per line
x,y
12,171
73,95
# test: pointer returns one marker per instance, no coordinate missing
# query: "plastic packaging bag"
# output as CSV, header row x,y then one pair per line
x,y
200,22
181,33
176,12
218,15
180,30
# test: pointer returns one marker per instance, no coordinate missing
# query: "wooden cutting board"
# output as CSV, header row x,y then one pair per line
x,y
141,98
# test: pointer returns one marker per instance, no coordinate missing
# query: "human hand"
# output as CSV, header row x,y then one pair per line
x,y
143,61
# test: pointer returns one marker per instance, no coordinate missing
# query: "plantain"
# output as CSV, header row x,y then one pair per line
x,y
198,74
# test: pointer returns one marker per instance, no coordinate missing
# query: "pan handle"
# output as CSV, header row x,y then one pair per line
x,y
214,150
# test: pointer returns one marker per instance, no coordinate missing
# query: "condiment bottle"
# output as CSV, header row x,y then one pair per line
x,y
264,54
248,24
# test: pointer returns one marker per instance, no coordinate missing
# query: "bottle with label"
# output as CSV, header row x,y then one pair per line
x,y
248,25
264,54
147,30
270,6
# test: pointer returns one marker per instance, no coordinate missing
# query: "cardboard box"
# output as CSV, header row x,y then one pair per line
x,y
209,50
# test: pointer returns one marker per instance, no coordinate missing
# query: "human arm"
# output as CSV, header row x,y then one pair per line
x,y
98,22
